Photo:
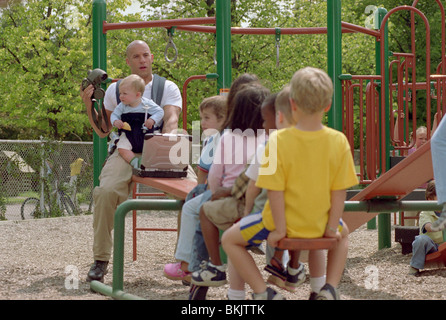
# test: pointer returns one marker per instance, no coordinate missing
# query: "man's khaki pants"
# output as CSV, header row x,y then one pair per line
x,y
115,184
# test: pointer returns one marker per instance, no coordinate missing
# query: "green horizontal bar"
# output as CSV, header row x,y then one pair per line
x,y
345,76
384,205
108,291
210,76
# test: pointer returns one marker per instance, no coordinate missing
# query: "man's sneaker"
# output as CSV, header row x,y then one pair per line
x,y
440,223
97,271
293,281
328,293
209,276
173,271
269,294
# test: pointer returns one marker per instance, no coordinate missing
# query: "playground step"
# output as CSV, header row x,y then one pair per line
x,y
405,235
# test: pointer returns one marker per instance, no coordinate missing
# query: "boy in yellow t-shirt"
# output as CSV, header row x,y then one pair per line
x,y
306,170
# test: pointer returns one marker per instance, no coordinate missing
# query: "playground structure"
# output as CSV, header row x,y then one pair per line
x,y
386,187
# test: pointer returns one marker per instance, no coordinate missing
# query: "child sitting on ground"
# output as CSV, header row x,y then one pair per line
x,y
237,146
213,116
428,240
309,176
130,116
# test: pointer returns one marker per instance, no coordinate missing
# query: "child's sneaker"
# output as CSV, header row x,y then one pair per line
x,y
313,296
277,275
295,278
328,293
269,294
285,279
209,276
173,271
197,292
440,223
413,271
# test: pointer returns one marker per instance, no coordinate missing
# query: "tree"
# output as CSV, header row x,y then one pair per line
x,y
257,53
40,59
45,51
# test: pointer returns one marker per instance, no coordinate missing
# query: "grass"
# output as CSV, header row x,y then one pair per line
x,y
21,197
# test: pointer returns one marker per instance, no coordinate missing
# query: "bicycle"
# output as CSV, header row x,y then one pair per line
x,y
33,207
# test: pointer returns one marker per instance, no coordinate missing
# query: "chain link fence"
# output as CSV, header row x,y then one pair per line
x,y
41,169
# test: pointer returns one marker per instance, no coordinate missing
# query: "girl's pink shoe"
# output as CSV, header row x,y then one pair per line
x,y
173,271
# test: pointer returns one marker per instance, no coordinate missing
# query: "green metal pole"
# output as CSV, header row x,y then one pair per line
x,y
379,15
384,230
224,52
384,219
99,61
223,44
118,241
334,65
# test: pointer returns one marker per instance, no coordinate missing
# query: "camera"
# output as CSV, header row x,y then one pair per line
x,y
95,77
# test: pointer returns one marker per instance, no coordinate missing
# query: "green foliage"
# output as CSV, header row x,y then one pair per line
x,y
45,51
41,56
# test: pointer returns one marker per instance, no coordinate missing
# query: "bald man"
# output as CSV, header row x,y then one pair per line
x,y
115,180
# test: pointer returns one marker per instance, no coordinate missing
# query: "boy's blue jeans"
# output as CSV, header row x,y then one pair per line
x,y
189,222
199,250
421,246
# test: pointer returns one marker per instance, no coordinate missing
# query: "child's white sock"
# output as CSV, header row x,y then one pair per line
x,y
293,271
236,294
317,283
220,267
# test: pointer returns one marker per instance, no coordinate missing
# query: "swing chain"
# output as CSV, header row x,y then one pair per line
x,y
170,44
277,46
215,50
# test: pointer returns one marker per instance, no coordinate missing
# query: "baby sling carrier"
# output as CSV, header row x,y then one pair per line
x,y
136,120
